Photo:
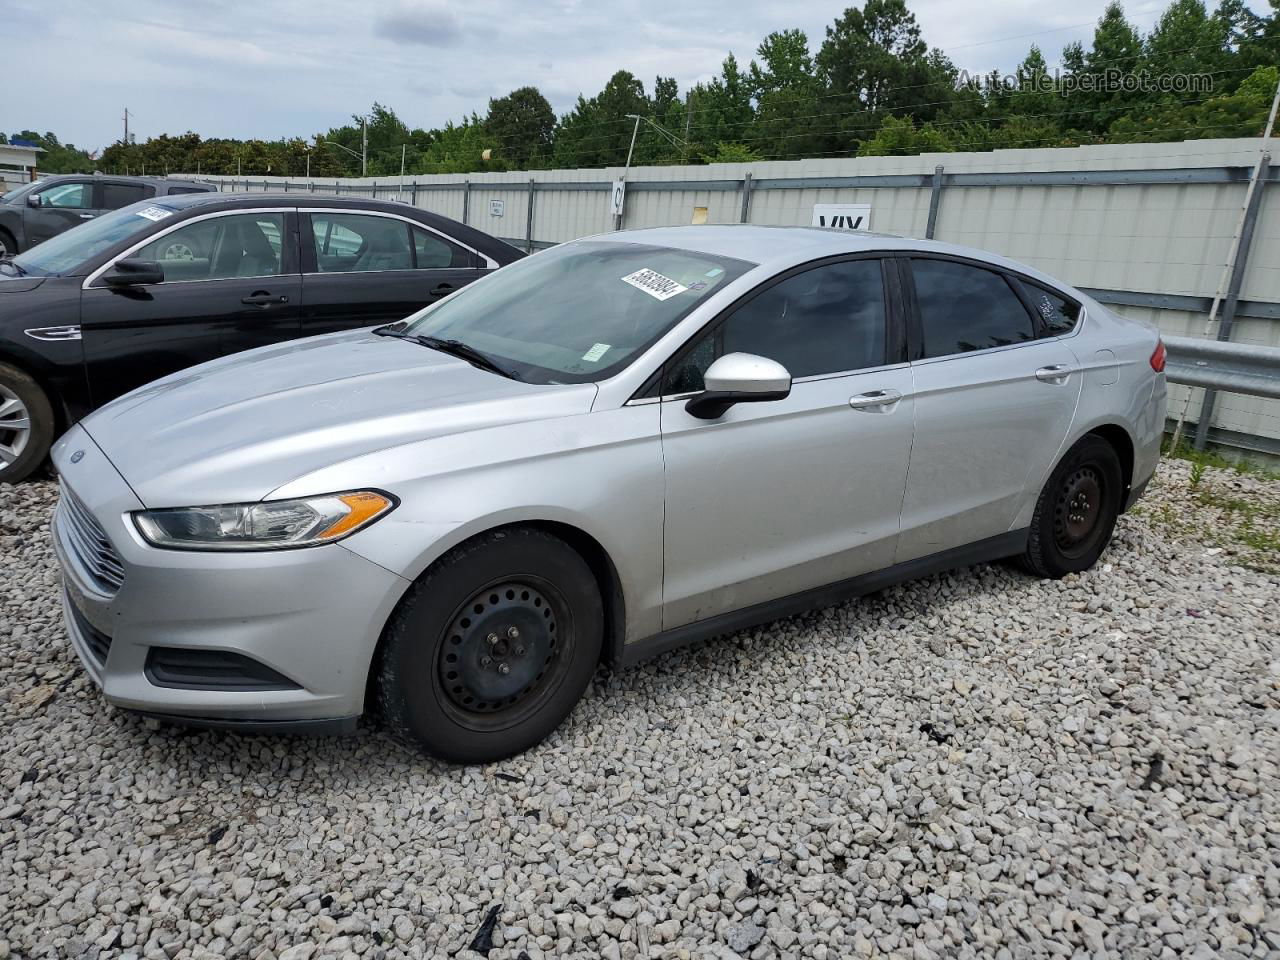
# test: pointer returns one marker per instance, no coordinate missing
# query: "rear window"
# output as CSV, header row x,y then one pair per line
x,y
1058,314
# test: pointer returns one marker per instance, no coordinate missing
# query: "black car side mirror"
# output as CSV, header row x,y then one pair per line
x,y
133,273
33,200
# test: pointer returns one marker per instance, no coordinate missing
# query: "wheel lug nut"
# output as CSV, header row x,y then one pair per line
x,y
491,639
512,632
503,668
485,661
519,651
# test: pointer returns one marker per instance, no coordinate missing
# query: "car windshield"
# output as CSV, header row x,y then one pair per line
x,y
578,312
64,254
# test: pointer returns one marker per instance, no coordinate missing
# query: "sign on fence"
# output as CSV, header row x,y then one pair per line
x,y
496,207
842,216
619,195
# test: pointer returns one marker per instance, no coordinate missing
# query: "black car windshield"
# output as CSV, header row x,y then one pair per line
x,y
64,254
578,312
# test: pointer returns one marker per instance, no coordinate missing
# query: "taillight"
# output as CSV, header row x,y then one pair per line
x,y
1157,358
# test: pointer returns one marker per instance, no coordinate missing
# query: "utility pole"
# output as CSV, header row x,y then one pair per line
x,y
125,141
364,146
308,164
688,115
403,148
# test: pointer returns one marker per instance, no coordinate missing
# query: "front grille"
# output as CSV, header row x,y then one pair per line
x,y
87,540
97,642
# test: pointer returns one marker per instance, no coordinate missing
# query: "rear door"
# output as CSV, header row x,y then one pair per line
x,y
231,283
63,205
362,268
994,401
114,194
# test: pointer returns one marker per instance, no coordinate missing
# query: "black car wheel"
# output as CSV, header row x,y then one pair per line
x,y
26,425
8,246
1077,510
491,648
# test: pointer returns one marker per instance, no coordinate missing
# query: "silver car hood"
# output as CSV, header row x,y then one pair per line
x,y
235,429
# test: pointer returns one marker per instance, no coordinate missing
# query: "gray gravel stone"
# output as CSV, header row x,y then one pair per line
x,y
976,765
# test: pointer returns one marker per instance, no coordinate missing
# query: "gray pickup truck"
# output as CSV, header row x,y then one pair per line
x,y
34,212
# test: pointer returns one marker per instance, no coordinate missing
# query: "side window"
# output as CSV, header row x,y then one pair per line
x,y
1058,315
826,320
174,191
117,195
965,308
430,250
68,196
351,242
243,245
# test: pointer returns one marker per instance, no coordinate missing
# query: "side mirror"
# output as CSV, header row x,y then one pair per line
x,y
134,273
34,200
739,378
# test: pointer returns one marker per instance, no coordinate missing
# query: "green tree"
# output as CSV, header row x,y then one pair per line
x,y
523,126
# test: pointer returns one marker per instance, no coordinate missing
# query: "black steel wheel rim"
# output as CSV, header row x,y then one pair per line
x,y
503,652
1078,512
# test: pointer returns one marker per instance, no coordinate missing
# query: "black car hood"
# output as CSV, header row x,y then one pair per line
x,y
10,284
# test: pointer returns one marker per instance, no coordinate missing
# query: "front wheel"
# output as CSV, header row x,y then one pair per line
x,y
492,647
1076,512
26,425
8,246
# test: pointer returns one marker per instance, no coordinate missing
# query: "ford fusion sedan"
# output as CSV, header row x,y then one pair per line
x,y
604,451
168,283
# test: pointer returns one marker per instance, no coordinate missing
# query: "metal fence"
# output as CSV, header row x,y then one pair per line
x,y
1145,228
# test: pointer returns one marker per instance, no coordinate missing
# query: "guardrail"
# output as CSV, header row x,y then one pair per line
x,y
1223,365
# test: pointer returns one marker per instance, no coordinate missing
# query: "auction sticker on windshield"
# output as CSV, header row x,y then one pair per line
x,y
155,213
654,284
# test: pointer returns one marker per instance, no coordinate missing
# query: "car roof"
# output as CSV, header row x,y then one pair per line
x,y
153,181
779,247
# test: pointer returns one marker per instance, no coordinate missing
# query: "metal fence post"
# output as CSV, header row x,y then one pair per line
x,y
1232,298
528,232
744,216
935,198
466,200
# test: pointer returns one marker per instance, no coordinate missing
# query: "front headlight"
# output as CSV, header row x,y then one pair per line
x,y
271,525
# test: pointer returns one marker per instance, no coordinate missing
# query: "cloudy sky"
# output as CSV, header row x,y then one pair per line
x,y
236,68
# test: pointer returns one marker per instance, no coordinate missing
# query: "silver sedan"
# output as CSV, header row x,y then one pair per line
x,y
610,449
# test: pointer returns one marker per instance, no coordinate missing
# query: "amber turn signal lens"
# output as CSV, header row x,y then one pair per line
x,y
364,507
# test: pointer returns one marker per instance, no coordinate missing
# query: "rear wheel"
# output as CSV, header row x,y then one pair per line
x,y
26,425
1077,510
492,647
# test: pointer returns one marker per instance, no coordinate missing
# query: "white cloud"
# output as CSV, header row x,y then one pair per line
x,y
431,23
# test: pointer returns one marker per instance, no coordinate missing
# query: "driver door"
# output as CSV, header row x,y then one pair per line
x,y
779,497
231,282
62,206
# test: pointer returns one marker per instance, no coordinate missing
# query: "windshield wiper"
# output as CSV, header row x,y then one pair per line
x,y
8,262
462,351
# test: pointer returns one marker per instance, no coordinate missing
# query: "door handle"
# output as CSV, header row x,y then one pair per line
x,y
86,216
1054,373
263,299
442,289
875,399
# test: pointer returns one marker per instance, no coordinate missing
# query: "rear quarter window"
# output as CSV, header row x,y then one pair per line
x,y
1058,314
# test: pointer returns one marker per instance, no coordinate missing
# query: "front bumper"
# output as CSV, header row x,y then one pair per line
x,y
313,615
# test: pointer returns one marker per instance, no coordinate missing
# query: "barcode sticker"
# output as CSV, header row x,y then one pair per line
x,y
155,213
654,284
596,352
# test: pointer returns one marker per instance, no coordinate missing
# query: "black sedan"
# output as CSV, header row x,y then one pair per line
x,y
34,212
164,284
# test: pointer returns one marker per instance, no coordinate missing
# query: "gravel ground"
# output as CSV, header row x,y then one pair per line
x,y
978,764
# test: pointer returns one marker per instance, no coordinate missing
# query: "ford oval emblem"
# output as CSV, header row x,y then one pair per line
x,y
77,456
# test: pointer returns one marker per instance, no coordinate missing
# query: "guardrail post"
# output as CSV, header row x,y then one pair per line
x,y
466,200
746,199
528,231
1232,299
935,198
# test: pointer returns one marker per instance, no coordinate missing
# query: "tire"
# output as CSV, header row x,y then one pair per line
x,y
26,425
8,245
454,678
1076,512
